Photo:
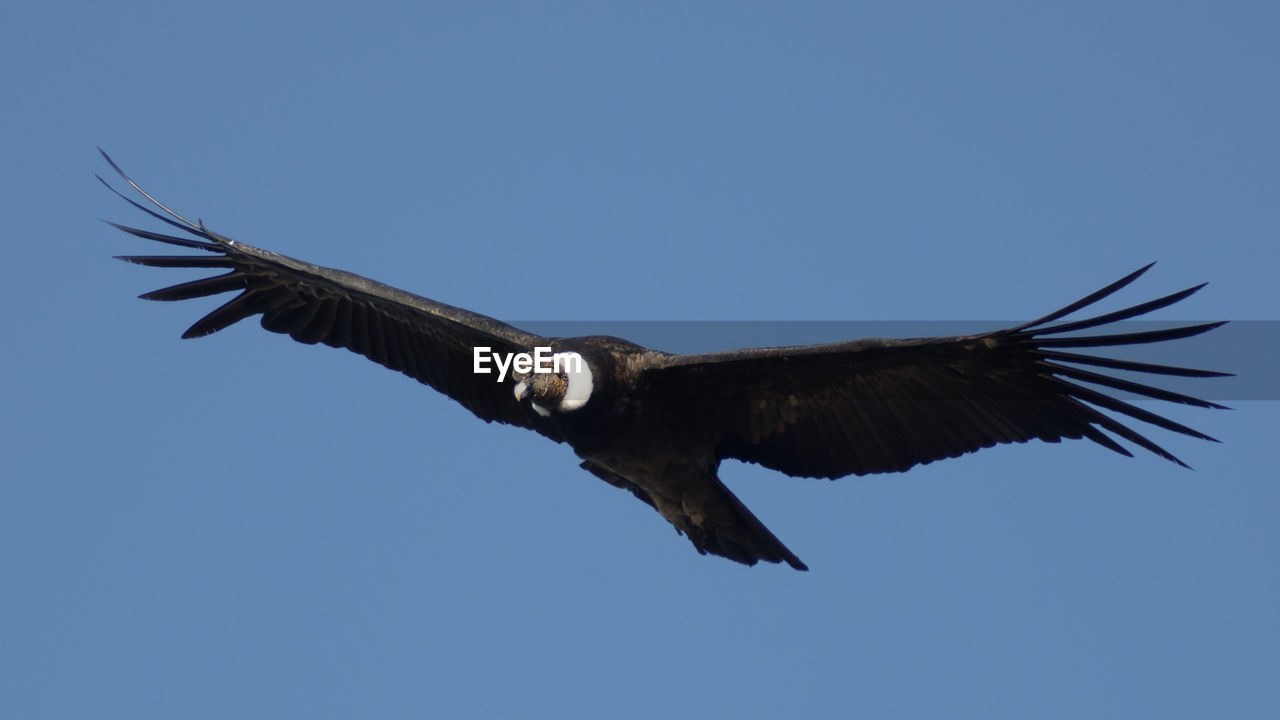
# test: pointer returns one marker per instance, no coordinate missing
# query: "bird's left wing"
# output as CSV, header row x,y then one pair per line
x,y
882,405
427,340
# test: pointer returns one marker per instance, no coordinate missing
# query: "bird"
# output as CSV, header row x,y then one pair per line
x,y
658,424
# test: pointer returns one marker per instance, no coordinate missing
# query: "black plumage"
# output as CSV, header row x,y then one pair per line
x,y
658,424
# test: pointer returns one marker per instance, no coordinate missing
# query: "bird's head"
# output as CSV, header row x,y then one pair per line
x,y
565,388
544,390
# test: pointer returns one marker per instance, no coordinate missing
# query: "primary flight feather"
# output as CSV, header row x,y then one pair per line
x,y
658,424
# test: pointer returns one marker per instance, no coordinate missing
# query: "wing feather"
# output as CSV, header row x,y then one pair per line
x,y
427,340
881,405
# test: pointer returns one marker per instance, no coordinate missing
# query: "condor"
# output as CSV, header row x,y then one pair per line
x,y
658,425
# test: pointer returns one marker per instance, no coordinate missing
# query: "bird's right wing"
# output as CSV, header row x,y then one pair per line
x,y
427,340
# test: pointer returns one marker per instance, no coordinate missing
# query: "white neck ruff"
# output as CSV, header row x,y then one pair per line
x,y
578,380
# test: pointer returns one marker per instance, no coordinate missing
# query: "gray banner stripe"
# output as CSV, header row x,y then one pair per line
x,y
1250,348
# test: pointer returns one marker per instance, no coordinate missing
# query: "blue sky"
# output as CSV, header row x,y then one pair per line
x,y
240,526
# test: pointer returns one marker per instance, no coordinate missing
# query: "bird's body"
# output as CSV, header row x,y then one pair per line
x,y
658,424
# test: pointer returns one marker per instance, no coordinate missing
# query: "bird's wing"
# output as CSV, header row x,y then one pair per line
x,y
424,339
882,405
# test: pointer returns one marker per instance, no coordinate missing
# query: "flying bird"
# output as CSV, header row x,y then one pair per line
x,y
658,424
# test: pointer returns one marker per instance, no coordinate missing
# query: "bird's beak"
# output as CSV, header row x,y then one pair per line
x,y
521,389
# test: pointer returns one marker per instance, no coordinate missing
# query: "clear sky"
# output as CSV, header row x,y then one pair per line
x,y
240,526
